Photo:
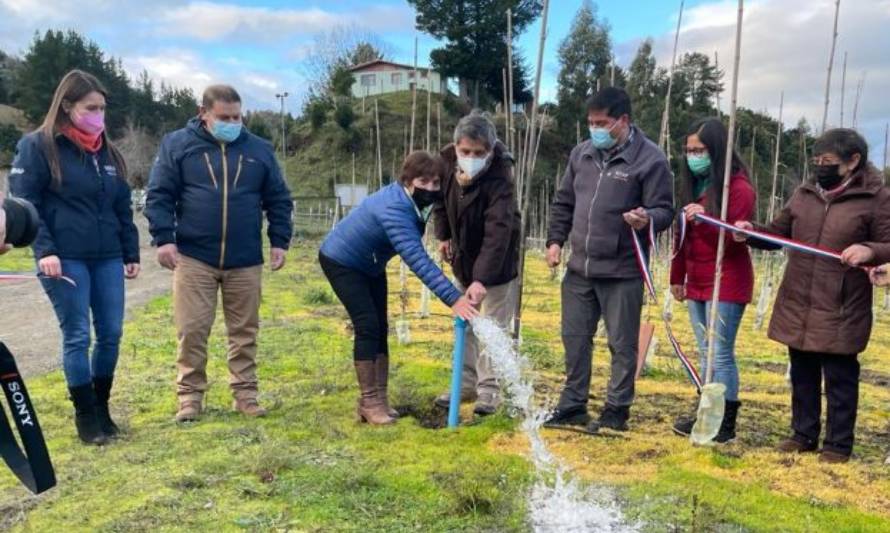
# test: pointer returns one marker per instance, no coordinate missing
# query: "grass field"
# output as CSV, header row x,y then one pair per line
x,y
310,467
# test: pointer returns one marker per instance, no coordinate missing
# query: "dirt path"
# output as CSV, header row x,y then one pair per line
x,y
28,325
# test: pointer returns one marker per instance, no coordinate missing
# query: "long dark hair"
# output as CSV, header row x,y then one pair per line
x,y
74,87
712,133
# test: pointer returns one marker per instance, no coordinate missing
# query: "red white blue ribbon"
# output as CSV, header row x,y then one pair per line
x,y
31,277
774,239
682,226
649,281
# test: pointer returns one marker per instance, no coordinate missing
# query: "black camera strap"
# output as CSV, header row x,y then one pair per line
x,y
31,465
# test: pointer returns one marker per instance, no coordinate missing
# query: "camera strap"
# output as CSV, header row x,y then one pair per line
x,y
31,465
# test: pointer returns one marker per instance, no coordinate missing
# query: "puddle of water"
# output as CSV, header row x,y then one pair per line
x,y
557,502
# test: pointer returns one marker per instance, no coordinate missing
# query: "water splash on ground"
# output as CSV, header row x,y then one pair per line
x,y
557,502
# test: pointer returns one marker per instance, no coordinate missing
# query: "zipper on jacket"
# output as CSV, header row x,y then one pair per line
x,y
238,172
589,215
95,159
813,269
210,169
225,206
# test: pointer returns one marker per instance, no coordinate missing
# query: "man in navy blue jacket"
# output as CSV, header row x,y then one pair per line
x,y
207,191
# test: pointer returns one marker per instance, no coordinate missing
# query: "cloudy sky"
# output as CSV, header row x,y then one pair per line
x,y
259,45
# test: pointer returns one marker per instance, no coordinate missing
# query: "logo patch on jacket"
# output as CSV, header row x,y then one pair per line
x,y
111,170
618,174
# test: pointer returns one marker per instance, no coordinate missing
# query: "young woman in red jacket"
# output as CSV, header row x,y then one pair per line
x,y
693,267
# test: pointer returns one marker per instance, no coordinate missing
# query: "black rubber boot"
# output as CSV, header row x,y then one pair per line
x,y
727,427
612,417
85,419
102,386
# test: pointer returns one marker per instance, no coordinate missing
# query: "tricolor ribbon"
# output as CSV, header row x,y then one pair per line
x,y
31,277
682,226
649,281
774,239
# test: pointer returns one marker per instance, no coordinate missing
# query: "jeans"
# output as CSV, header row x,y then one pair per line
x,y
364,298
100,290
729,318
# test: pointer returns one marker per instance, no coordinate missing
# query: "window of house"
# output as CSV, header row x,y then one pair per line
x,y
369,80
397,79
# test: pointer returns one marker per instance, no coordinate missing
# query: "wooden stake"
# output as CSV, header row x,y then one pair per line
x,y
859,88
379,147
528,171
511,138
414,99
837,11
665,116
717,66
429,105
727,174
843,88
771,211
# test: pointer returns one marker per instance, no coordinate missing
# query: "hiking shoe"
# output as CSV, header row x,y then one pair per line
x,y
189,411
614,418
567,419
793,445
683,425
249,407
830,457
487,403
444,399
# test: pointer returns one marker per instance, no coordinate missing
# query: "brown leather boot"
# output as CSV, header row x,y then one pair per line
x,y
189,410
795,446
382,365
249,407
371,408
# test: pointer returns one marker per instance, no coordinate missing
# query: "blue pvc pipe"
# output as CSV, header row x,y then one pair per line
x,y
457,368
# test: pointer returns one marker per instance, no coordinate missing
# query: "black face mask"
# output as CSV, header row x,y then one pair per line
x,y
827,176
424,198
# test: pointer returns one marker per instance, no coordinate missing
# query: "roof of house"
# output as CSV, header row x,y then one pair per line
x,y
383,63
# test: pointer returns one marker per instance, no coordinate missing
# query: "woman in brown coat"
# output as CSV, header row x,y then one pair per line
x,y
823,311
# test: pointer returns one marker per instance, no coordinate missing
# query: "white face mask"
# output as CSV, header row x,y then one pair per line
x,y
472,166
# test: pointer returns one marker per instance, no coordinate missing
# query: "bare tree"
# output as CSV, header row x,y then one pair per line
x,y
138,149
341,46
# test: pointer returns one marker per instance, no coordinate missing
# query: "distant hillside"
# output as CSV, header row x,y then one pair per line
x,y
13,116
320,158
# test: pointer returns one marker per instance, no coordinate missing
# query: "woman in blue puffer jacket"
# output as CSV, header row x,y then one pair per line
x,y
354,257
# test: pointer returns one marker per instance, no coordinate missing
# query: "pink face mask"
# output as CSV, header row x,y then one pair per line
x,y
92,123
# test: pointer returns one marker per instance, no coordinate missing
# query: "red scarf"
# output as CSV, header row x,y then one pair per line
x,y
87,142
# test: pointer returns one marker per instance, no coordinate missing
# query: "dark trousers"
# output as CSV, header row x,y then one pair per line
x,y
584,301
841,374
365,300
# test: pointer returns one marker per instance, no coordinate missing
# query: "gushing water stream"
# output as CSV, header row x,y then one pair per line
x,y
557,503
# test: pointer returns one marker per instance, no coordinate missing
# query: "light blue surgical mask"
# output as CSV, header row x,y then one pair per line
x,y
602,137
226,131
699,164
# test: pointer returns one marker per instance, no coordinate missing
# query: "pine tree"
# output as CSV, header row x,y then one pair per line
x,y
585,57
475,34
647,85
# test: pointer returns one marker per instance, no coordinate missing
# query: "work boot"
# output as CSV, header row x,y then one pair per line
x,y
85,418
612,417
189,410
830,457
249,407
727,427
683,425
371,408
382,366
567,418
444,399
102,387
487,403
793,445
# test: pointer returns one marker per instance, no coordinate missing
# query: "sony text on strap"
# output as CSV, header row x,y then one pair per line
x,y
32,465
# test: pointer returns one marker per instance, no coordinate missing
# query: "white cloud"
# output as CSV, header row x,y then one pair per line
x,y
211,21
785,47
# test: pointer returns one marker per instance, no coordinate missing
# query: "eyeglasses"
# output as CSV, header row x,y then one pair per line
x,y
696,151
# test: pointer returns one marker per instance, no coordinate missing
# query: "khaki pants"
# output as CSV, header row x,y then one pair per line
x,y
499,305
195,288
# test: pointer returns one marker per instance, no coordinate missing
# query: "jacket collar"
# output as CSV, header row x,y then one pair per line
x,y
866,182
